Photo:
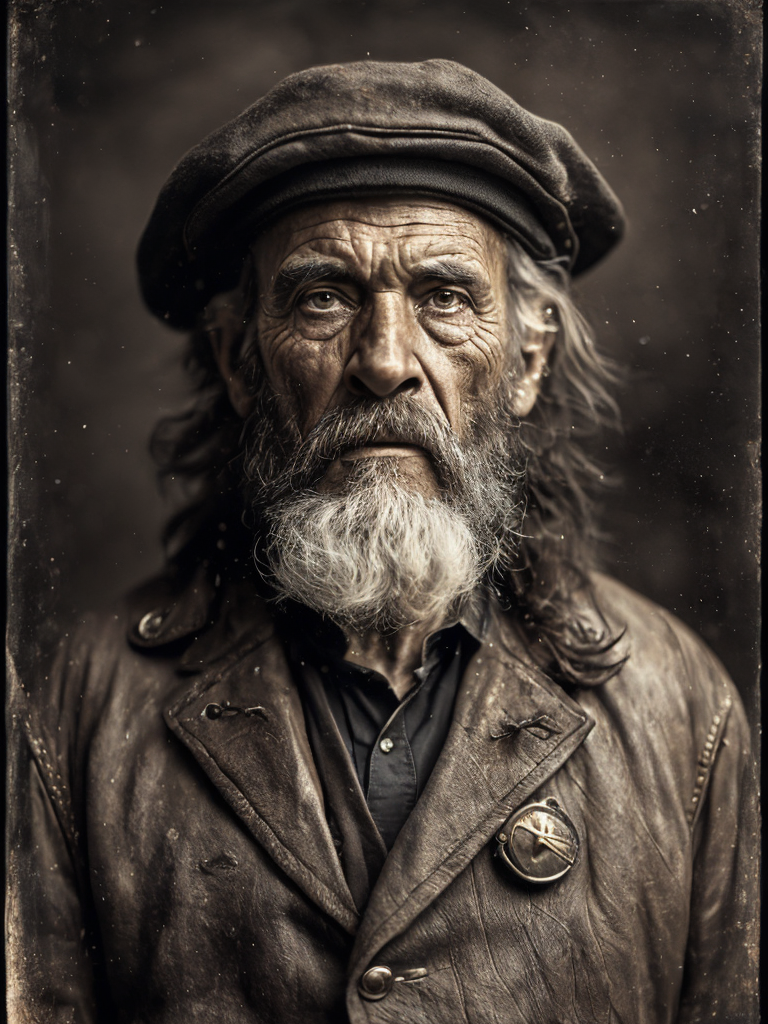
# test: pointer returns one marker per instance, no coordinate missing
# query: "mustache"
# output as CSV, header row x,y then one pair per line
x,y
401,419
480,473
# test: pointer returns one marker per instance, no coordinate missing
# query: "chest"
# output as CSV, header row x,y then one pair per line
x,y
190,896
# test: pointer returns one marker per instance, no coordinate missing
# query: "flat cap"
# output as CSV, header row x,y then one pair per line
x,y
434,128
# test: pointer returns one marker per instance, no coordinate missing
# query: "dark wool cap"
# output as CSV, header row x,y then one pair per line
x,y
433,129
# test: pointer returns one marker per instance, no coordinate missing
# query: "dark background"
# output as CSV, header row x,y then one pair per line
x,y
662,95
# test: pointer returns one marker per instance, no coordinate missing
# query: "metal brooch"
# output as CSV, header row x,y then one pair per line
x,y
539,842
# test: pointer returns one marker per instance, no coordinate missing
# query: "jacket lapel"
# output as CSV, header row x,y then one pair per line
x,y
512,729
257,754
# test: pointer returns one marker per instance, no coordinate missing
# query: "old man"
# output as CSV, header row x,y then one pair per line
x,y
379,744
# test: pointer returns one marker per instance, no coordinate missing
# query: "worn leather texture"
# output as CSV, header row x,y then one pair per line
x,y
172,867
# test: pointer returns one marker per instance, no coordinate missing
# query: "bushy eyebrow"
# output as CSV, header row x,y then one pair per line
x,y
450,271
302,270
299,271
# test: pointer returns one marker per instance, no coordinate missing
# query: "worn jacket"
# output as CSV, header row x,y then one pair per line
x,y
169,866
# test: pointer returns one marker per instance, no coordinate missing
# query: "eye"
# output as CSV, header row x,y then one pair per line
x,y
321,301
446,300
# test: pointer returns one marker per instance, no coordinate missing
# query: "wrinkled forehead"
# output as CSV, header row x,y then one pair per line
x,y
364,233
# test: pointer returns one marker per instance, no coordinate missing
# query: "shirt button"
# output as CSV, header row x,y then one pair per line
x,y
386,745
375,983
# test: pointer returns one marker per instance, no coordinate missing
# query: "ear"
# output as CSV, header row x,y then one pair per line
x,y
225,333
535,349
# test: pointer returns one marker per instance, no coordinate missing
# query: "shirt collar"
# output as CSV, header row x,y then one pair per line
x,y
308,632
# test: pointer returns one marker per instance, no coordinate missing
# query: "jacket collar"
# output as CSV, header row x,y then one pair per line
x,y
241,717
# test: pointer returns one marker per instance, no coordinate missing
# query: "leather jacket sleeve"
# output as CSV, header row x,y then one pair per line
x,y
49,962
720,968
50,976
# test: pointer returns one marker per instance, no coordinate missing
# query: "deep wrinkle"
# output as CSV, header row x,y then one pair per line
x,y
301,271
385,279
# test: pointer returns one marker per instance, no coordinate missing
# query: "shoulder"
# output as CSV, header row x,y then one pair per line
x,y
672,707
134,655
106,643
665,658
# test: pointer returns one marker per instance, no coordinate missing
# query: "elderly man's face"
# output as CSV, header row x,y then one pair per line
x,y
378,297
387,478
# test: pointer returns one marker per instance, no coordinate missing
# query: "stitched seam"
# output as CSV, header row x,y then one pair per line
x,y
706,759
327,130
55,787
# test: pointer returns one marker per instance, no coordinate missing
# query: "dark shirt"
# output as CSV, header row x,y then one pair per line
x,y
390,745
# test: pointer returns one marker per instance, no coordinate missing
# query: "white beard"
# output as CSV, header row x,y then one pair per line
x,y
378,555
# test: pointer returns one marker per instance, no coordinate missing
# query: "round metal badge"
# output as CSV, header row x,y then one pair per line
x,y
539,842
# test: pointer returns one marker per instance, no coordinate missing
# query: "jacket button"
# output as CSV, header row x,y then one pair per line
x,y
151,624
375,983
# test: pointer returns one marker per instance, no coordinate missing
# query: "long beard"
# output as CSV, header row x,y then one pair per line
x,y
378,554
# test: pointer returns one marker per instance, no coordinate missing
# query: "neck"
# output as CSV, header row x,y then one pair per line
x,y
396,656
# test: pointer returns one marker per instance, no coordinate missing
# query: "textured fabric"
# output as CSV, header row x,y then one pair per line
x,y
173,861
331,180
533,180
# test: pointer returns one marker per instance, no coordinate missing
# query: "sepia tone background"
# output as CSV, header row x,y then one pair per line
x,y
662,95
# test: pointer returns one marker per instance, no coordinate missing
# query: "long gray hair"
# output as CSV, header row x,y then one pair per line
x,y
544,577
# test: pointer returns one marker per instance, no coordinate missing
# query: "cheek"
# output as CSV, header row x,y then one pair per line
x,y
484,358
472,374
492,350
306,372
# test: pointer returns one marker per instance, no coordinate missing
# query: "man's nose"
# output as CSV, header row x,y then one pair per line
x,y
383,361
